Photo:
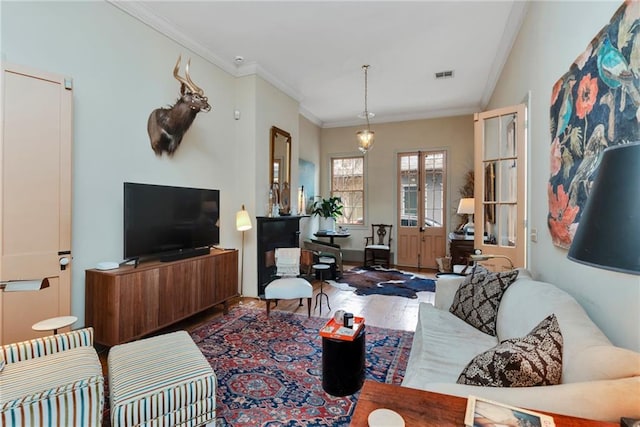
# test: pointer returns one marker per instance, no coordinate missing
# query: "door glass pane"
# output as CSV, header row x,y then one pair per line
x,y
434,190
492,138
507,225
489,201
507,172
409,190
508,146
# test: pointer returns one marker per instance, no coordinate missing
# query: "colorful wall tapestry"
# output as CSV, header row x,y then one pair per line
x,y
595,105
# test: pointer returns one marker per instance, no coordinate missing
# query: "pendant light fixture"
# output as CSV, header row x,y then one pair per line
x,y
366,136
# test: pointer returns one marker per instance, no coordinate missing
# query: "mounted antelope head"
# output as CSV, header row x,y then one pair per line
x,y
167,126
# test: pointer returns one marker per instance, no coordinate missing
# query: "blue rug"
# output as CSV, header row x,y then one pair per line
x,y
382,281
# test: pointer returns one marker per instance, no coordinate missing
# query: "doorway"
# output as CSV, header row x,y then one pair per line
x,y
421,208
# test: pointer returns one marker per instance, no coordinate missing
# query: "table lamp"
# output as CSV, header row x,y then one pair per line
x,y
467,207
608,234
243,223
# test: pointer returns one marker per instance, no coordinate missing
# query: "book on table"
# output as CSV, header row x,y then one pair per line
x,y
335,330
483,412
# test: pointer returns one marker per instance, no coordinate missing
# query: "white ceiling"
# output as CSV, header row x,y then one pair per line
x,y
314,50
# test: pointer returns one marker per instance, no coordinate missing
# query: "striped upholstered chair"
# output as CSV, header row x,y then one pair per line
x,y
55,380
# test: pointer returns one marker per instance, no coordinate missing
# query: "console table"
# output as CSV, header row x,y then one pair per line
x,y
425,409
130,302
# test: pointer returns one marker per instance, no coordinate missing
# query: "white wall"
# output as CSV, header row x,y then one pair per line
x,y
549,41
122,70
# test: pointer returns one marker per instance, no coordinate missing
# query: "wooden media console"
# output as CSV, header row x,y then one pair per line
x,y
128,303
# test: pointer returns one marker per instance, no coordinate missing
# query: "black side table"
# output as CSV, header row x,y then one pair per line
x,y
343,364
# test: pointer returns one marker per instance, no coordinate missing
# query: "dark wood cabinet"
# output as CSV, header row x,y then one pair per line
x,y
127,303
274,232
460,249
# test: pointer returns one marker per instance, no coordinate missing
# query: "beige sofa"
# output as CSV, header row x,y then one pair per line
x,y
599,381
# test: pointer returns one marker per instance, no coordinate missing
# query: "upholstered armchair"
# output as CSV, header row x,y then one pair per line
x,y
377,249
54,380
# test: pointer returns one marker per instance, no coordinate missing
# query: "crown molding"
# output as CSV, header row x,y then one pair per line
x,y
310,116
164,27
389,118
257,69
516,18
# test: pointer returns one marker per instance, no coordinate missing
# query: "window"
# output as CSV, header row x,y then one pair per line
x,y
347,182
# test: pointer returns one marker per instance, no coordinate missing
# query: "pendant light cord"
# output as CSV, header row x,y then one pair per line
x,y
366,110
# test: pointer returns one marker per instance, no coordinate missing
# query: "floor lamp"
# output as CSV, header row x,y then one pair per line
x,y
243,223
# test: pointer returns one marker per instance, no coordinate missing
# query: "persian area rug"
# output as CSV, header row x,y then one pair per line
x,y
383,281
269,370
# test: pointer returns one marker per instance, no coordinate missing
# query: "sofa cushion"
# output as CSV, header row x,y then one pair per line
x,y
34,379
437,354
533,360
478,298
527,302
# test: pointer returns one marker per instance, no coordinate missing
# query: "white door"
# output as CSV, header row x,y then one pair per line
x,y
421,201
35,198
500,185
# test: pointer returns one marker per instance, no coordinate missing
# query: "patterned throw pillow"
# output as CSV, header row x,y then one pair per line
x,y
533,360
478,298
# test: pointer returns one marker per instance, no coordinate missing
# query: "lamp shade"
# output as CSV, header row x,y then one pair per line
x,y
466,206
243,222
608,235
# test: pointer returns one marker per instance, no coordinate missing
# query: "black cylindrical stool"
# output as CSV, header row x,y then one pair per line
x,y
343,364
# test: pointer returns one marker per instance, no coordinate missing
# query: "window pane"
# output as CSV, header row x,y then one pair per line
x,y
347,182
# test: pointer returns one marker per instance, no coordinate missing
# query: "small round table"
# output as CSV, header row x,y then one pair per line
x,y
54,323
321,268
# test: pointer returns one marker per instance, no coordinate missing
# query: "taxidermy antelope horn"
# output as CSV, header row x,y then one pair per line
x,y
192,85
167,126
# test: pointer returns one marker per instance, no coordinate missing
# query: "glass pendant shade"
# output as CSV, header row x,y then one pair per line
x,y
365,136
365,140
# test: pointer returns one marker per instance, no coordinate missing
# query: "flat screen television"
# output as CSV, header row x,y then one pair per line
x,y
168,222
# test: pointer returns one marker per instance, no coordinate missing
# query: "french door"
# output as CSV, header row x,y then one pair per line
x,y
500,185
421,208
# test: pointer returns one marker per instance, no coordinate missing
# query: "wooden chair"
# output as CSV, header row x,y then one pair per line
x,y
377,249
287,263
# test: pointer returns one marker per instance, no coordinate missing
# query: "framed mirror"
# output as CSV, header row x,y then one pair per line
x,y
280,159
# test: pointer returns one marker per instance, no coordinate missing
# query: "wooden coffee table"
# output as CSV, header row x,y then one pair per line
x,y
424,408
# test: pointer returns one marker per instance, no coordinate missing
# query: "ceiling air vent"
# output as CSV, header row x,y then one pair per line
x,y
444,74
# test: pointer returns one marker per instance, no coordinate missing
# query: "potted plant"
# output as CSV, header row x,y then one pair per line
x,y
328,210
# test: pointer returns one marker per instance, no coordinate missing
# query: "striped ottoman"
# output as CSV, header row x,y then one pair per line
x,y
161,381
